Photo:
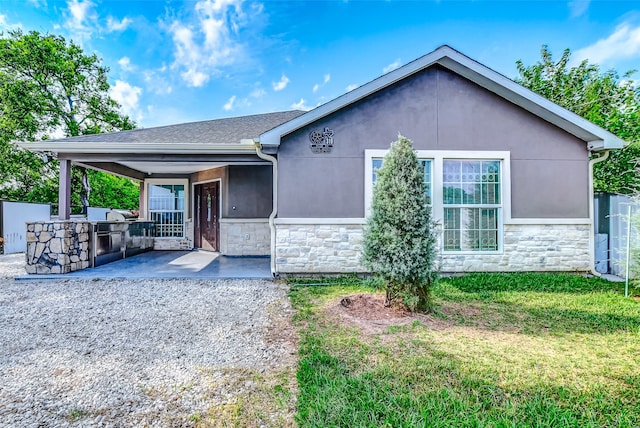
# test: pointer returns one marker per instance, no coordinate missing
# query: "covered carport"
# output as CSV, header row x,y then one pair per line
x,y
206,185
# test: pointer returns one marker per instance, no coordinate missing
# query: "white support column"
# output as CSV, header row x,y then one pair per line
x,y
64,190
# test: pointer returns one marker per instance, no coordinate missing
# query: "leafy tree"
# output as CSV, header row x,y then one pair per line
x,y
50,87
399,243
110,191
603,98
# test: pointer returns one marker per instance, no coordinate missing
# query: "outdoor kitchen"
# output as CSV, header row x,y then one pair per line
x,y
63,246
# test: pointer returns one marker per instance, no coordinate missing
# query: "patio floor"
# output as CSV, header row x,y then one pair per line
x,y
173,264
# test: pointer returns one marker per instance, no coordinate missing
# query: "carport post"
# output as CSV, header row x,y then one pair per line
x,y
64,190
141,202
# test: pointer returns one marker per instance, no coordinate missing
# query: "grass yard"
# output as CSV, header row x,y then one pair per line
x,y
500,350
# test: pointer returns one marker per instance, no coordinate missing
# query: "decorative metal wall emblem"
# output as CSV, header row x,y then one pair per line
x,y
321,141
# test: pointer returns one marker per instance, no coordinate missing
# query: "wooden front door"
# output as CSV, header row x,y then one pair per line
x,y
207,221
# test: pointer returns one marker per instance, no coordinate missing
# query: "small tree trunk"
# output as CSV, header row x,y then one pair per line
x,y
388,298
86,191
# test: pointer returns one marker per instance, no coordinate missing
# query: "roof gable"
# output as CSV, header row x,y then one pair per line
x,y
596,137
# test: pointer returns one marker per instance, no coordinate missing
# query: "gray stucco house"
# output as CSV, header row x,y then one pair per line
x,y
509,173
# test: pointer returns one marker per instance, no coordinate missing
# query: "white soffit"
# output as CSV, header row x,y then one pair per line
x,y
171,167
596,137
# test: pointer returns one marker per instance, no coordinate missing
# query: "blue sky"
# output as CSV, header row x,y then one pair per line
x,y
175,61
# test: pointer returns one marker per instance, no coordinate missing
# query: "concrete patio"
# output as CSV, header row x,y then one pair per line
x,y
172,265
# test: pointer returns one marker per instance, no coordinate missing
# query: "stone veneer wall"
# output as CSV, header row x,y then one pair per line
x,y
318,248
533,248
58,246
245,237
336,248
184,243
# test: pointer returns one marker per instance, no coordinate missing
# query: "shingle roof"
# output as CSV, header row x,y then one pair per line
x,y
219,131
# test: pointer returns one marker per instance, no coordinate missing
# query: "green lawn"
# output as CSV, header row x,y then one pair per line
x,y
501,350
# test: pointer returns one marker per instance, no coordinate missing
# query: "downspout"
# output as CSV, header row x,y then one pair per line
x,y
274,212
592,231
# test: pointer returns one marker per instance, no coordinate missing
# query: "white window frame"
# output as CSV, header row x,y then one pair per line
x,y
437,202
187,198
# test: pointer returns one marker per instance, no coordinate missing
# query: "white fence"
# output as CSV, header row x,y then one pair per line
x,y
13,216
612,229
97,213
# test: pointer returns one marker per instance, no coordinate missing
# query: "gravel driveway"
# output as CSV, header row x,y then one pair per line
x,y
133,353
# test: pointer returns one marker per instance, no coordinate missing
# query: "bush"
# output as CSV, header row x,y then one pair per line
x,y
399,242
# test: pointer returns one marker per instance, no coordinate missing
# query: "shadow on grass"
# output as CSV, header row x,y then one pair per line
x,y
344,382
530,281
437,390
536,303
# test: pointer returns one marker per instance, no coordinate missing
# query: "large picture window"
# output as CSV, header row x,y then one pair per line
x,y
166,209
471,202
468,192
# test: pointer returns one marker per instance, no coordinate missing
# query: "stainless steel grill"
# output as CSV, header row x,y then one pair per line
x,y
115,240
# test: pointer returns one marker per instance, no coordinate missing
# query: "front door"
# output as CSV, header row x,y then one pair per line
x,y
206,224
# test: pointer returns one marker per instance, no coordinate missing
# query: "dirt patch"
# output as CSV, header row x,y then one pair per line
x,y
371,307
368,313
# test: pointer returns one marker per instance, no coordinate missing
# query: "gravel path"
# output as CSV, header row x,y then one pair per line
x,y
131,353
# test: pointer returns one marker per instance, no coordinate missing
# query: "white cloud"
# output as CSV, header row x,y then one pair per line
x,y
624,42
128,97
395,64
207,44
125,64
81,19
578,7
301,105
5,25
229,104
258,93
156,83
325,80
38,3
114,25
351,87
281,84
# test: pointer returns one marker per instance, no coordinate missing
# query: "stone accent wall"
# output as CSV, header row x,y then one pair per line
x,y
58,246
245,237
185,243
533,248
322,248
337,249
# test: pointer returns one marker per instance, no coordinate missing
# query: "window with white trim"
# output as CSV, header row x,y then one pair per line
x,y
471,203
166,209
468,192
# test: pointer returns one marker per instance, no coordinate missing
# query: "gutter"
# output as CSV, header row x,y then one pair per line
x,y
592,231
274,212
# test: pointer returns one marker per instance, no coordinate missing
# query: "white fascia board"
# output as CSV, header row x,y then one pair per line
x,y
156,148
477,73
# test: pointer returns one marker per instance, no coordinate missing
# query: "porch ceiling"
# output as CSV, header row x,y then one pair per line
x,y
158,168
150,168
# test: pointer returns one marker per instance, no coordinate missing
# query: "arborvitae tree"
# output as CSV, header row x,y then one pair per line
x,y
399,241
